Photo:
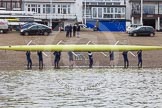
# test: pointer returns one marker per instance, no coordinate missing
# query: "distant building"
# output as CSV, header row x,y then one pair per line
x,y
11,4
54,13
107,15
152,13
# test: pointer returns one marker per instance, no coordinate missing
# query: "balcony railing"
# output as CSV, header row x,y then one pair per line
x,y
55,16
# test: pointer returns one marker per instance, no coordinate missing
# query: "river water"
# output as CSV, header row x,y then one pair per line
x,y
81,88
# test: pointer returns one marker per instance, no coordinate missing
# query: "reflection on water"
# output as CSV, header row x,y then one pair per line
x,y
80,88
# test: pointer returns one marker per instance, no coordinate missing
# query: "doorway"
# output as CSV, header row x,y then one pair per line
x,y
149,22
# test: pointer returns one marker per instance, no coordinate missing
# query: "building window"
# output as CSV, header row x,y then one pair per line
x,y
116,10
48,8
8,6
93,3
108,10
38,8
53,8
14,5
112,10
33,8
99,12
64,9
59,9
44,9
68,9
94,12
148,9
28,7
101,3
116,3
160,9
17,5
123,10
88,11
117,16
119,10
108,3
108,16
4,4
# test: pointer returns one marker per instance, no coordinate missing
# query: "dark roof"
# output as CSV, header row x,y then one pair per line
x,y
145,0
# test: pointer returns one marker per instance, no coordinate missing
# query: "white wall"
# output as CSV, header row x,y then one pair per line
x,y
78,9
128,10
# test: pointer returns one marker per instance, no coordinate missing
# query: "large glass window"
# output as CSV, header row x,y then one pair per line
x,y
63,9
109,12
148,9
35,8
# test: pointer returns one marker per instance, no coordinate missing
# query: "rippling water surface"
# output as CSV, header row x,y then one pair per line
x,y
81,88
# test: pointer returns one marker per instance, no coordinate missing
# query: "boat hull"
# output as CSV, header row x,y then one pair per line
x,y
80,48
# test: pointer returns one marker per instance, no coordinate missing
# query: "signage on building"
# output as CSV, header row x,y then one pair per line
x,y
26,19
149,16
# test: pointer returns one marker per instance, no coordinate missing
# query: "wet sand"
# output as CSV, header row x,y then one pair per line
x,y
17,60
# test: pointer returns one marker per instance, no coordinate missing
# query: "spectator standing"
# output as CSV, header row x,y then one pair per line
x,y
78,31
74,30
67,30
70,30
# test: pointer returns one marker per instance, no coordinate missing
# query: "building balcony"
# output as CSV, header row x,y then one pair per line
x,y
55,16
